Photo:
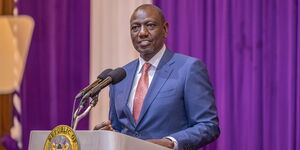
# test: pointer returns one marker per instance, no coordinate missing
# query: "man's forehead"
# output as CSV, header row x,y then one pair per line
x,y
144,13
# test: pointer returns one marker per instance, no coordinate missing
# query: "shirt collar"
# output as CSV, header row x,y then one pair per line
x,y
154,60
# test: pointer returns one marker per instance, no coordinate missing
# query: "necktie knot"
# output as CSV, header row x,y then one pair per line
x,y
146,67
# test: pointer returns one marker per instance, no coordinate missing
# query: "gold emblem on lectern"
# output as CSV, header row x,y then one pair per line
x,y
61,137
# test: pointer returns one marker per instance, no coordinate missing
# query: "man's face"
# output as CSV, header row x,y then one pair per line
x,y
148,32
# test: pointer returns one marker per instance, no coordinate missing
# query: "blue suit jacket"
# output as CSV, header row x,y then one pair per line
x,y
179,103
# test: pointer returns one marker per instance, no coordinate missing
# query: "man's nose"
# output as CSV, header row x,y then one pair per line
x,y
143,32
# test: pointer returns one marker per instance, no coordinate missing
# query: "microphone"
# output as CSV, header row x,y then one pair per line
x,y
100,77
113,77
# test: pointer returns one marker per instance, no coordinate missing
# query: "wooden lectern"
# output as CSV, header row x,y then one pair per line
x,y
97,140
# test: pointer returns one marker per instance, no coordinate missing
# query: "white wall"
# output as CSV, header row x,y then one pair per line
x,y
111,46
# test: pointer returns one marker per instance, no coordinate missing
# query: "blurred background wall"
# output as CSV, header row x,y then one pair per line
x,y
57,64
250,48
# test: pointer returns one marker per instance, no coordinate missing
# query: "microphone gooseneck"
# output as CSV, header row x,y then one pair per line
x,y
113,77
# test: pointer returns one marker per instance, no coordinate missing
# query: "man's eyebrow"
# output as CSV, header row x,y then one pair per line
x,y
152,22
134,23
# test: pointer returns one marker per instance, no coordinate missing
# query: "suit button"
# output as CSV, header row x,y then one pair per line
x,y
136,134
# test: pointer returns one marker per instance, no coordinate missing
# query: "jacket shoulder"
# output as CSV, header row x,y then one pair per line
x,y
185,59
130,64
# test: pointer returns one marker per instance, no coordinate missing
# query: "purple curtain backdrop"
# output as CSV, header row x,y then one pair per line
x,y
57,65
252,53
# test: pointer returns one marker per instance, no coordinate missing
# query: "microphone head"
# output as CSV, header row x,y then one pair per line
x,y
104,74
117,75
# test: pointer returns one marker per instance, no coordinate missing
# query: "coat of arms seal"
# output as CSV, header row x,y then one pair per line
x,y
61,137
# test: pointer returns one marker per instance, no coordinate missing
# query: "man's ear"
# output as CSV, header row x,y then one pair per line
x,y
166,29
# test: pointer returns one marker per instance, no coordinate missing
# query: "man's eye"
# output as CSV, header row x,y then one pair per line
x,y
134,28
151,26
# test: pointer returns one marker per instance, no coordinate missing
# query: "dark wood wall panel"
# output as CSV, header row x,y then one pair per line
x,y
5,115
6,7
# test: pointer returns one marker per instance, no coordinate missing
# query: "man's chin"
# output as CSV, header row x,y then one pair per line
x,y
146,50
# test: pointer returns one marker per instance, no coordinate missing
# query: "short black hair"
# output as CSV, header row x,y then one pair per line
x,y
161,14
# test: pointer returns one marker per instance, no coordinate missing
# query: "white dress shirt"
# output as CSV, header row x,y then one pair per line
x,y
154,61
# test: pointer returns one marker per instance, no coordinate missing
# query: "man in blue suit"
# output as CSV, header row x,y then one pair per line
x,y
166,98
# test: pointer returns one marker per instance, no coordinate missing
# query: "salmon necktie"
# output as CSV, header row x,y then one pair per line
x,y
141,91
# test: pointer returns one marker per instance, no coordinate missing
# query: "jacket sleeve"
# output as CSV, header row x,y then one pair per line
x,y
203,123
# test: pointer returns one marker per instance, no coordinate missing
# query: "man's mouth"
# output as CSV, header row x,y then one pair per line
x,y
144,43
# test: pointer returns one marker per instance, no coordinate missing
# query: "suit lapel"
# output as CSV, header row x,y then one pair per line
x,y
130,71
161,76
